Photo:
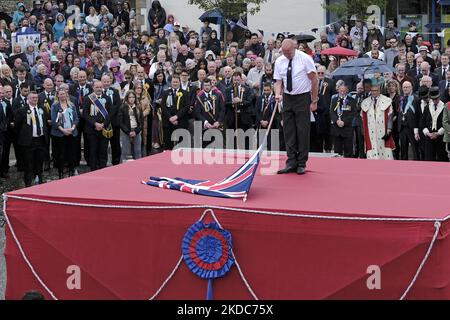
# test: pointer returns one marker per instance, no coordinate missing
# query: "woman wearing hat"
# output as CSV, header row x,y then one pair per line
x,y
114,67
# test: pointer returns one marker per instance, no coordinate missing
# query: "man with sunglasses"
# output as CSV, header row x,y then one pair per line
x,y
375,52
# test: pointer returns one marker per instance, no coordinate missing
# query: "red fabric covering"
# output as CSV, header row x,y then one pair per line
x,y
128,253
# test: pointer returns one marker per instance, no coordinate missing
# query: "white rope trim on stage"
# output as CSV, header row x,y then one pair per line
x,y
235,259
181,259
437,225
168,278
38,278
5,198
283,214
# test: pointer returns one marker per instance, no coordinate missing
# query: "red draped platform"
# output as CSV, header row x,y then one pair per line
x,y
315,236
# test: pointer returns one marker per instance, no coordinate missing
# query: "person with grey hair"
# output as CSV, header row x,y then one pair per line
x,y
377,117
342,113
97,111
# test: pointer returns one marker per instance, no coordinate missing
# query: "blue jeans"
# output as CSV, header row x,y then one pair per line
x,y
130,144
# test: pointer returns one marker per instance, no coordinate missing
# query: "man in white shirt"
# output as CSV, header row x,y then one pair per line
x,y
32,132
296,77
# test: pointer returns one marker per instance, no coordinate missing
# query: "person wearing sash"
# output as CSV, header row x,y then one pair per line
x,y
114,96
238,114
81,90
64,116
407,126
174,107
210,110
30,123
342,113
97,110
131,120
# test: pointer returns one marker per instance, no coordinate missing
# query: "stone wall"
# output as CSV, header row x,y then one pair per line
x,y
9,6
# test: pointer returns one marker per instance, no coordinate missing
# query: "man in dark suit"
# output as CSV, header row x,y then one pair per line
x,y
406,122
357,122
444,85
227,82
116,101
19,102
210,110
238,105
174,106
97,111
425,71
342,113
81,90
424,100
9,134
327,88
415,72
441,72
45,101
3,121
30,123
21,78
265,105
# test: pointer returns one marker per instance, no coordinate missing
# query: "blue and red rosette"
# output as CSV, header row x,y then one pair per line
x,y
207,251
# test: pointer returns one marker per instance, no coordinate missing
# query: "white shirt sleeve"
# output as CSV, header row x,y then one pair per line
x,y
276,73
309,64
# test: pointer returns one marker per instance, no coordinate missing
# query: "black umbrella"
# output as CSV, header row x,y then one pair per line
x,y
212,16
304,38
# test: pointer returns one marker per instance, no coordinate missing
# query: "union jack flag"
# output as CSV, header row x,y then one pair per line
x,y
235,186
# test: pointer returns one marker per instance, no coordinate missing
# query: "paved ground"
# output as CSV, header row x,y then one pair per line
x,y
13,183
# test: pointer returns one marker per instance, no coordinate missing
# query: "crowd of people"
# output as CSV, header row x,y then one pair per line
x,y
103,82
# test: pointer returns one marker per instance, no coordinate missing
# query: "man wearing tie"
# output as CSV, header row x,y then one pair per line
x,y
30,123
296,77
45,101
114,96
81,91
327,89
174,106
97,111
271,53
6,109
441,72
444,84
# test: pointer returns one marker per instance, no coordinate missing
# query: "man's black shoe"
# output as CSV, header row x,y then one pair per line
x,y
287,170
301,170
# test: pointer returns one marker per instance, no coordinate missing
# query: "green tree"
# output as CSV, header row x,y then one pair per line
x,y
230,8
358,8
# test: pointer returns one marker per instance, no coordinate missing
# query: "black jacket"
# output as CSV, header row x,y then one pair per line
x,y
245,109
89,128
407,119
25,128
169,111
209,110
116,101
124,119
348,114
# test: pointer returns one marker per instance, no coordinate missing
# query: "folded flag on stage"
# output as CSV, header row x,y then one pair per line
x,y
235,186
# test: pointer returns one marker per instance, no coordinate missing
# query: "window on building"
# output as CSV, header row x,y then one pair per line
x,y
412,6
